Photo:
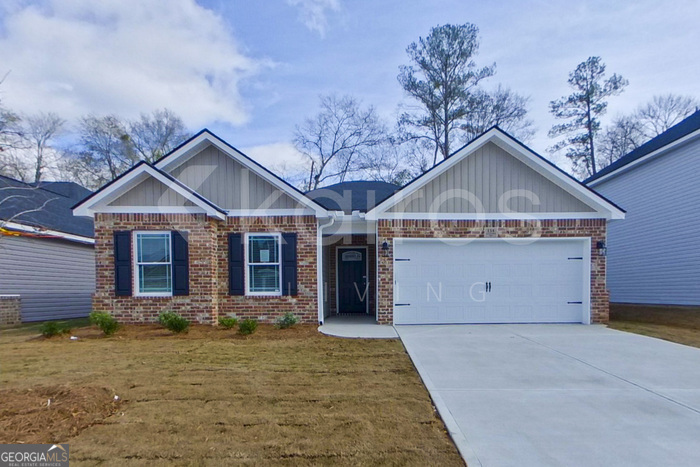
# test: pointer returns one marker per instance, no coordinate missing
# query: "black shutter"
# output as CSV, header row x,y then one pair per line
x,y
181,264
122,263
235,264
289,264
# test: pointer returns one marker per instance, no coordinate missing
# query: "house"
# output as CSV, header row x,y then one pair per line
x,y
46,254
493,234
654,256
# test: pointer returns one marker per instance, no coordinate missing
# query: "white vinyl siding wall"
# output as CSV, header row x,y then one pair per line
x,y
488,174
55,278
654,254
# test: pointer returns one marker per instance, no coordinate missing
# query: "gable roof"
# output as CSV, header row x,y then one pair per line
x,y
193,145
43,206
136,175
361,195
539,163
687,128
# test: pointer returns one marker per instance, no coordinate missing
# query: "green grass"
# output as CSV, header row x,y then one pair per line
x,y
34,328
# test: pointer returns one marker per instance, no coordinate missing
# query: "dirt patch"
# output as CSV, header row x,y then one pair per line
x,y
52,414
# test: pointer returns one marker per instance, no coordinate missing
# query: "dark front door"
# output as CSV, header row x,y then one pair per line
x,y
353,287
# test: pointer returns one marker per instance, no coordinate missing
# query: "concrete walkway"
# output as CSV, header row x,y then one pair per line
x,y
358,327
561,395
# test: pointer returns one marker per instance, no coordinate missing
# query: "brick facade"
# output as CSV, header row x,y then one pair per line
x,y
387,230
208,287
10,310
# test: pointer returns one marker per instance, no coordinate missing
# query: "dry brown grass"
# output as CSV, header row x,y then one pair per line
x,y
676,324
213,397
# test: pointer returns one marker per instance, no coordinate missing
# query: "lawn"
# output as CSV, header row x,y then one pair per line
x,y
214,397
676,324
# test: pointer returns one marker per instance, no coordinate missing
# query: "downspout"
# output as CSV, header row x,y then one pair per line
x,y
319,265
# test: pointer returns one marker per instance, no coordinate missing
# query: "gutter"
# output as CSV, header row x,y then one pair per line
x,y
319,264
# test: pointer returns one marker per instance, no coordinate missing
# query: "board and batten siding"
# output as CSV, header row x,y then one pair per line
x,y
488,174
228,184
54,278
654,254
151,192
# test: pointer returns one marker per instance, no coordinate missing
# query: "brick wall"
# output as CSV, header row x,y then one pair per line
x,y
594,228
305,304
208,262
10,310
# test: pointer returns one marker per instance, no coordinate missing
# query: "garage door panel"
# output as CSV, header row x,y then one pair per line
x,y
444,283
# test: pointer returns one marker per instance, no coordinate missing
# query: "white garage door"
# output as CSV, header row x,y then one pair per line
x,y
491,281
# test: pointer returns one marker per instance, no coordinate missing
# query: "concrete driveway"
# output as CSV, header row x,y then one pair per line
x,y
541,395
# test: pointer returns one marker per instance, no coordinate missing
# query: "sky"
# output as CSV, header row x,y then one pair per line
x,y
252,70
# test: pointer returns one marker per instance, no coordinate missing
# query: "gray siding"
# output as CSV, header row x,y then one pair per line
x,y
488,174
151,192
55,278
230,185
654,254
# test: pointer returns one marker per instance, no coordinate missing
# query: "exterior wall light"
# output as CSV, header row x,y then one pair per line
x,y
385,248
602,249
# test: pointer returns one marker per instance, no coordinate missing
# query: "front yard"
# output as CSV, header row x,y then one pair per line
x,y
214,397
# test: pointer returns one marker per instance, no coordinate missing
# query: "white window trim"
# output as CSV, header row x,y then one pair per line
x,y
134,253
246,274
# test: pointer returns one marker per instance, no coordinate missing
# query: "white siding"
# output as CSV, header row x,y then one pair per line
x,y
55,278
654,254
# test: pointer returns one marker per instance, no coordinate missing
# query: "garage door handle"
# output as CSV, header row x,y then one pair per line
x,y
402,304
574,303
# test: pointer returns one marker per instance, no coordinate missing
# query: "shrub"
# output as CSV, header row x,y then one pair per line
x,y
51,328
228,322
105,322
286,321
247,326
173,322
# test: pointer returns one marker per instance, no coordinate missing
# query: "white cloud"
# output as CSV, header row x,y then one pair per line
x,y
282,159
313,13
74,57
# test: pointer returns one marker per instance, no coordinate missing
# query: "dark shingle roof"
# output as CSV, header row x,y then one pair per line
x,y
57,198
352,196
684,128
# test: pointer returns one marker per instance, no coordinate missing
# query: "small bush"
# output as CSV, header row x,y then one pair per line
x,y
247,326
51,328
286,321
173,322
228,322
105,322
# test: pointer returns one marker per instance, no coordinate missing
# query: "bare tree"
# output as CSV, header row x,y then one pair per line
x,y
39,133
387,162
18,201
335,140
155,135
664,111
625,134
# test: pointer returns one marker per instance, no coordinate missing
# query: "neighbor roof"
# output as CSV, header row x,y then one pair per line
x,y
676,132
45,206
352,196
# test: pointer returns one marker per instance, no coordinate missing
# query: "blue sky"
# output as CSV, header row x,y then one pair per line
x,y
252,70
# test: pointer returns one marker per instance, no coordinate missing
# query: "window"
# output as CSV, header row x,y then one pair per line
x,y
263,255
153,265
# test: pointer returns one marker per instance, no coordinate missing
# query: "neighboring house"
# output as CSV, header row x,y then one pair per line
x,y
46,254
654,256
494,234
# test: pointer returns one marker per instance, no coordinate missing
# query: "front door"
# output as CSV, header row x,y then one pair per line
x,y
352,284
